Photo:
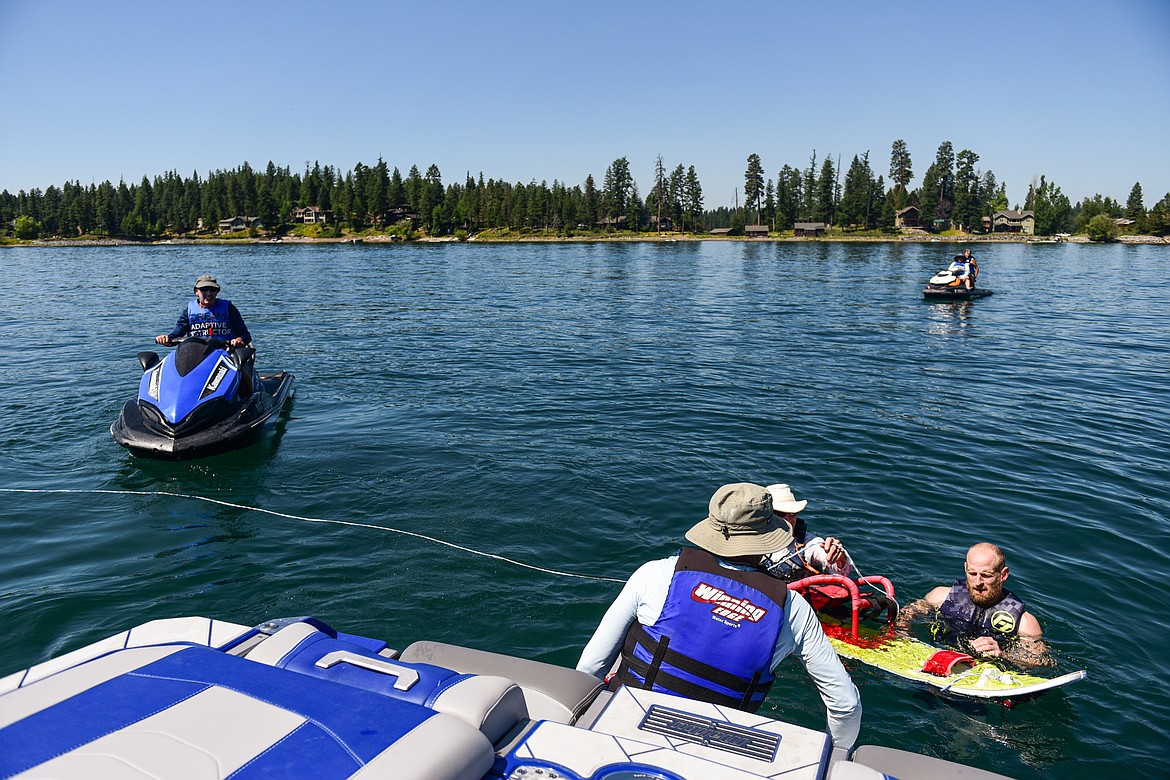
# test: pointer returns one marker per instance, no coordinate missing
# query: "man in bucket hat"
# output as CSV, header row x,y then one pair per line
x,y
708,624
209,317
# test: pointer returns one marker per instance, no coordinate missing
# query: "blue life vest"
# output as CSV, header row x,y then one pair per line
x,y
966,619
209,323
715,638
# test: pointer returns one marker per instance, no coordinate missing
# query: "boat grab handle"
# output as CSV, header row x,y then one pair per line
x,y
406,677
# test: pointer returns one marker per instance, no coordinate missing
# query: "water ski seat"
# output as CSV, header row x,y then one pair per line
x,y
821,589
494,705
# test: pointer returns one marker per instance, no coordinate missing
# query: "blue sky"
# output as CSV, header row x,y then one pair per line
x,y
1074,90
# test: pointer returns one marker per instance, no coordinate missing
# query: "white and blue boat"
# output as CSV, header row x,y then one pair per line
x,y
194,698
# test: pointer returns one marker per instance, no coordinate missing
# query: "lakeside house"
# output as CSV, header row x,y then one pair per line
x,y
808,229
907,217
755,231
400,213
237,224
311,215
1007,221
720,232
612,223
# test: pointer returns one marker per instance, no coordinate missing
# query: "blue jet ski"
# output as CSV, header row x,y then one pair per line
x,y
202,399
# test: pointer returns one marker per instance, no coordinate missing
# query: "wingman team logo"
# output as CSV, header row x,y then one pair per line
x,y
1003,622
727,606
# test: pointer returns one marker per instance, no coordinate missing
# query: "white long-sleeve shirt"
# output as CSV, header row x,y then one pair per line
x,y
643,597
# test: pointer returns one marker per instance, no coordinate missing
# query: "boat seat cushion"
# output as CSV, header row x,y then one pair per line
x,y
490,703
551,692
914,766
197,712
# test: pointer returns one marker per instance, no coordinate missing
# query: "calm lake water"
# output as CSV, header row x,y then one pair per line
x,y
572,407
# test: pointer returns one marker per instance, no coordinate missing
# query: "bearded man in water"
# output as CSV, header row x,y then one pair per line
x,y
980,615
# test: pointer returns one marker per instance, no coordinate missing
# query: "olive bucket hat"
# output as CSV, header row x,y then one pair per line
x,y
740,521
207,280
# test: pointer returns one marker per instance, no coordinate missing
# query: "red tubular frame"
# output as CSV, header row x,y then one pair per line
x,y
850,585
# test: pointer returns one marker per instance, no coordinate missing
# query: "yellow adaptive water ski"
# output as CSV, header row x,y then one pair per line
x,y
906,657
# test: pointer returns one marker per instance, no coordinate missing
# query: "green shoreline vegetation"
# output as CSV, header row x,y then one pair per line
x,y
956,201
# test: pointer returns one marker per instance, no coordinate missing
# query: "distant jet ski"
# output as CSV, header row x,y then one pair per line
x,y
202,399
946,286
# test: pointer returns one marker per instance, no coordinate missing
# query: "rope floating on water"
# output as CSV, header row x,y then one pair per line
x,y
288,516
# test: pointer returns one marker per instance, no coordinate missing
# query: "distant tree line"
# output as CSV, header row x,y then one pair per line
x,y
360,199
953,191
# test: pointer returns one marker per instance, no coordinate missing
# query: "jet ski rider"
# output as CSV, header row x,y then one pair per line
x,y
208,317
212,317
965,269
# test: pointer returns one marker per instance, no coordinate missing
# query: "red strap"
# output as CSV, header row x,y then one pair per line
x,y
943,661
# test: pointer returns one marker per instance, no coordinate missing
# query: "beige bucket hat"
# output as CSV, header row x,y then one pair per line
x,y
740,521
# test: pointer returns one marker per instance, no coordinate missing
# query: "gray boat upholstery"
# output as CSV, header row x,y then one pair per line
x,y
913,766
179,711
550,692
492,704
848,771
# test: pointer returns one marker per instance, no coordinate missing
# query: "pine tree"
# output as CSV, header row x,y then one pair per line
x,y
901,173
968,211
616,188
788,197
1134,207
1158,220
674,196
1052,209
396,191
825,201
591,204
660,191
377,201
692,198
936,198
414,188
753,184
855,199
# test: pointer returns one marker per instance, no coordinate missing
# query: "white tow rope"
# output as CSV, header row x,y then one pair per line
x,y
287,516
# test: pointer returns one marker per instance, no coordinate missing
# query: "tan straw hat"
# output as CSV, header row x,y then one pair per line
x,y
784,501
741,522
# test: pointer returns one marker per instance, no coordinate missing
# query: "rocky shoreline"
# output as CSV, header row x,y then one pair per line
x,y
657,237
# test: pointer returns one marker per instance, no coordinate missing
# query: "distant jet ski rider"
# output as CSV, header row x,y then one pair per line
x,y
209,317
965,269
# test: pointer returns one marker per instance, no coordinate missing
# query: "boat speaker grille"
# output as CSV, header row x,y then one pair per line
x,y
709,732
